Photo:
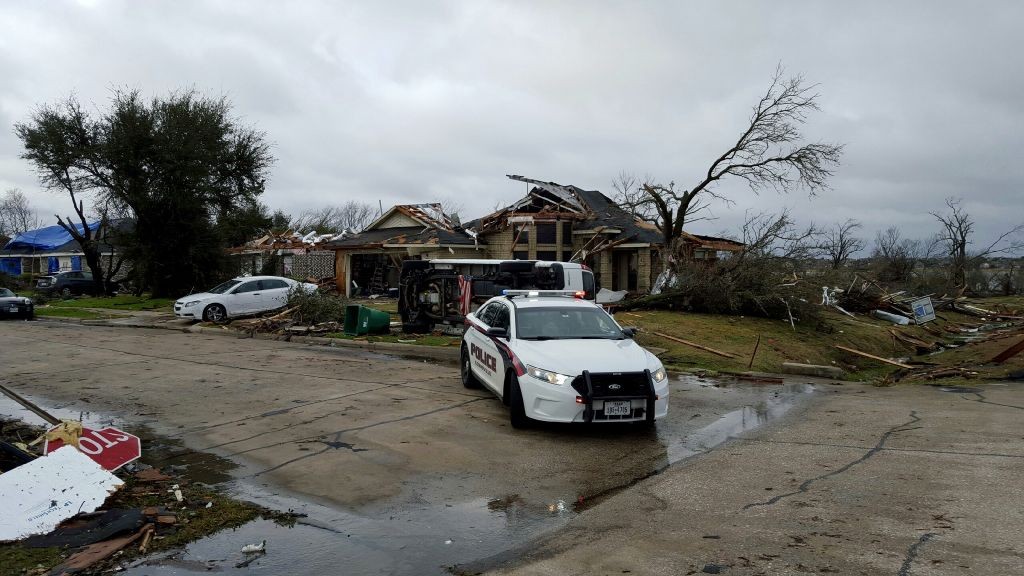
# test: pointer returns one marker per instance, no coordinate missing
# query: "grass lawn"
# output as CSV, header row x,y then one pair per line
x,y
119,302
71,313
811,344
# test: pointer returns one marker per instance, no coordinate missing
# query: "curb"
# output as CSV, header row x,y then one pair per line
x,y
446,354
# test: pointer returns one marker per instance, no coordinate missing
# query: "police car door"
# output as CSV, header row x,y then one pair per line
x,y
483,353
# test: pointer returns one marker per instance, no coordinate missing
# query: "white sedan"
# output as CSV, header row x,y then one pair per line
x,y
556,358
239,297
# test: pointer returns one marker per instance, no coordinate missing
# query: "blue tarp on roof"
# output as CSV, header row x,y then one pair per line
x,y
45,238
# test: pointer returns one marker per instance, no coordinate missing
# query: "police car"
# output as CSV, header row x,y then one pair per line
x,y
551,355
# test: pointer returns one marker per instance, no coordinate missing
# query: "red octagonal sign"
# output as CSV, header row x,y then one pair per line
x,y
109,447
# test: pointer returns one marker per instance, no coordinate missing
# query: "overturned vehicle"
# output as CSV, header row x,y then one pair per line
x,y
440,293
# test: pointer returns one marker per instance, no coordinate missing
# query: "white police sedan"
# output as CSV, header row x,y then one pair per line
x,y
239,297
553,357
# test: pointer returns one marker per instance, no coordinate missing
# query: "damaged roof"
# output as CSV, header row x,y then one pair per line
x,y
407,236
592,211
429,215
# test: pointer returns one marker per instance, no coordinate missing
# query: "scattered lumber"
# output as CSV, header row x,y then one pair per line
x,y
873,357
916,343
1009,352
695,345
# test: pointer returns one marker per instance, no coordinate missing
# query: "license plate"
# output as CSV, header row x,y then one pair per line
x,y
616,408
13,308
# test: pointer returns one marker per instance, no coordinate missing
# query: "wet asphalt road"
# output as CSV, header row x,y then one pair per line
x,y
400,468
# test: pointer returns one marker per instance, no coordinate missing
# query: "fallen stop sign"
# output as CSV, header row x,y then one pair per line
x,y
109,447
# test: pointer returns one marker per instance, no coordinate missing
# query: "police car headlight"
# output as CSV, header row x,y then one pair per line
x,y
549,377
659,375
192,303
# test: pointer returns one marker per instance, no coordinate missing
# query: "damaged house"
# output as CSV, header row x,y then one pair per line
x,y
289,254
566,223
370,261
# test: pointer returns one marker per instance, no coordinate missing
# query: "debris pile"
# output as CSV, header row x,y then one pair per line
x,y
81,492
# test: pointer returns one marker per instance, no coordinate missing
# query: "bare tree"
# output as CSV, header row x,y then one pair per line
x,y
16,214
839,242
955,237
769,154
352,215
897,256
776,236
450,207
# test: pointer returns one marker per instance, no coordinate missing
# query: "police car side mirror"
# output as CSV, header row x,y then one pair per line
x,y
499,332
629,332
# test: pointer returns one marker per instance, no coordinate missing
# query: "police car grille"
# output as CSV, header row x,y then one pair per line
x,y
614,384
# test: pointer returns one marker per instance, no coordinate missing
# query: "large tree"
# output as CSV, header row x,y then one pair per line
x,y
172,164
769,154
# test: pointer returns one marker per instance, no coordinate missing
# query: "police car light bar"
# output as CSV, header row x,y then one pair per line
x,y
572,293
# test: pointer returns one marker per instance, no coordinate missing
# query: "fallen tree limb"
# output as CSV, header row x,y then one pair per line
x,y
695,345
873,357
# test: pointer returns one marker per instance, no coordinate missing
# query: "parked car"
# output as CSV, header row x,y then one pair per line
x,y
66,284
240,296
14,306
556,358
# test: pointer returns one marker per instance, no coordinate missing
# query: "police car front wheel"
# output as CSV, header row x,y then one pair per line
x,y
468,379
517,410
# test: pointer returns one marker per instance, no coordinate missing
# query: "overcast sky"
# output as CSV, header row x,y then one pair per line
x,y
417,101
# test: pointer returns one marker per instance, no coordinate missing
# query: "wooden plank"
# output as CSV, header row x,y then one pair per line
x,y
1009,352
873,357
29,405
695,345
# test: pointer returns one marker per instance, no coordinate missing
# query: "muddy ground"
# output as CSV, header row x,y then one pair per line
x,y
401,470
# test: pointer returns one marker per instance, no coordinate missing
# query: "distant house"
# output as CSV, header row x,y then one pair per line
x,y
45,251
370,261
556,222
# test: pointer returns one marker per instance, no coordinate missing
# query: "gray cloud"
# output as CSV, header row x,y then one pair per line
x,y
412,101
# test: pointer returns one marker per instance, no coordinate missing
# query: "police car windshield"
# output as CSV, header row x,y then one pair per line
x,y
575,323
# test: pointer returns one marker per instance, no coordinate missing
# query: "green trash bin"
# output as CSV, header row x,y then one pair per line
x,y
361,320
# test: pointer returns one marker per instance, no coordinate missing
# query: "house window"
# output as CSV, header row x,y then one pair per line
x,y
546,233
521,235
566,233
549,255
520,255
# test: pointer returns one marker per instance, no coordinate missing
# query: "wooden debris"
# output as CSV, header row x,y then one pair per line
x,y
29,405
873,357
147,537
917,343
151,475
695,345
1009,352
754,353
95,553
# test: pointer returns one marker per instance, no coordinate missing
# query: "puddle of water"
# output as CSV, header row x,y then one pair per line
x,y
737,422
432,534
959,389
12,409
156,451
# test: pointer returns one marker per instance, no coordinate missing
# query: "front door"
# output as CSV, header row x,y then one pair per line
x,y
246,299
483,353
